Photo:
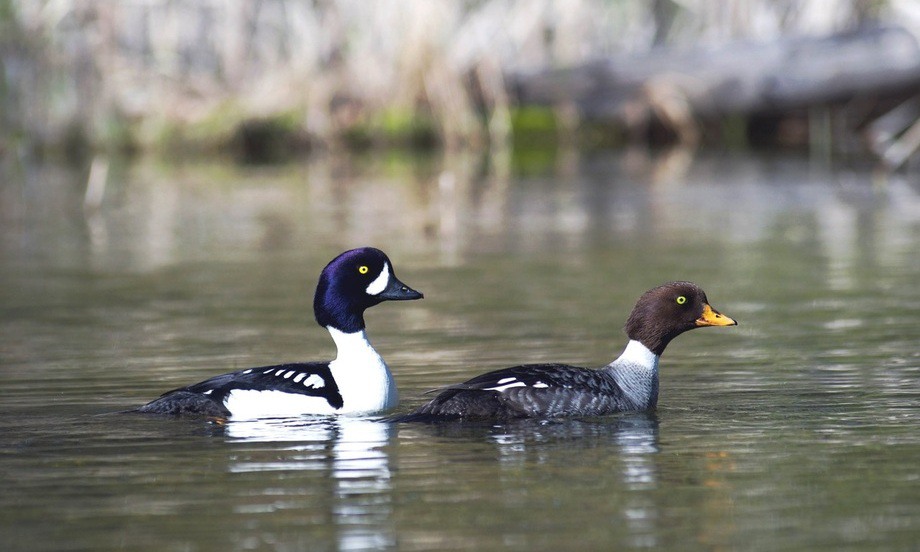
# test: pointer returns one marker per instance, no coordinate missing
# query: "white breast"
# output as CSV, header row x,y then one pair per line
x,y
364,380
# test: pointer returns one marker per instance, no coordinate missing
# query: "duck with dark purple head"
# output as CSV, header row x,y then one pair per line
x,y
358,381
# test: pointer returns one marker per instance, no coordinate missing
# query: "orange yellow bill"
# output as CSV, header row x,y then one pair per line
x,y
712,317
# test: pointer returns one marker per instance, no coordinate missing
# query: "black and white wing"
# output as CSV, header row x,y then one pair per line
x,y
302,387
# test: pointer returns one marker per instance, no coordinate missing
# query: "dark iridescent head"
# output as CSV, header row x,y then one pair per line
x,y
352,282
665,312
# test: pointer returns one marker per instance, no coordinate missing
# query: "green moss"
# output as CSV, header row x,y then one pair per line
x,y
210,135
535,140
218,128
393,128
534,127
269,139
398,163
357,137
533,161
414,129
161,136
230,131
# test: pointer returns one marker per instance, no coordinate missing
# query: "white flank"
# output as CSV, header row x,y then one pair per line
x,y
248,404
364,380
501,388
380,282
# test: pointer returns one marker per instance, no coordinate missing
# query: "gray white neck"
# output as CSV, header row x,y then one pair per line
x,y
636,372
364,379
638,354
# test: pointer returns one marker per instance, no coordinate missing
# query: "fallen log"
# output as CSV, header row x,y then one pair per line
x,y
680,86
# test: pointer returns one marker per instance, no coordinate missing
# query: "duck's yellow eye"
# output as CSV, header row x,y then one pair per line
x,y
681,299
362,269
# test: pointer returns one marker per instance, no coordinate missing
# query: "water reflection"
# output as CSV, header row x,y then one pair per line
x,y
631,438
153,216
515,440
623,447
349,452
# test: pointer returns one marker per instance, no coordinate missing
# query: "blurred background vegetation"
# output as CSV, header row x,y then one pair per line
x,y
265,80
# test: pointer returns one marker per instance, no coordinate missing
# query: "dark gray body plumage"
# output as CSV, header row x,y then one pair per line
x,y
542,390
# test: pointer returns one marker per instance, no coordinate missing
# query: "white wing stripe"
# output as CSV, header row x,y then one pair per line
x,y
314,381
501,388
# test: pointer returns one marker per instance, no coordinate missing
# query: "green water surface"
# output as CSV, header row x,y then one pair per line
x,y
797,430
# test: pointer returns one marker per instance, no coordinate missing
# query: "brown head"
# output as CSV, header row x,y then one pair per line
x,y
665,312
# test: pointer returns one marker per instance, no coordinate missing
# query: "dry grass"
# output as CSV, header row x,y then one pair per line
x,y
154,70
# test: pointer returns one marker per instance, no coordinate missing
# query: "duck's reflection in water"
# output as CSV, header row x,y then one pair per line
x,y
628,443
634,434
349,457
638,441
633,438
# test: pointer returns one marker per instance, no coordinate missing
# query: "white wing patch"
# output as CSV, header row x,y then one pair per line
x,y
380,282
511,383
314,381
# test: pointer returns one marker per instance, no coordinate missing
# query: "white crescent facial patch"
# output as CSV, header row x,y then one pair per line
x,y
380,283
